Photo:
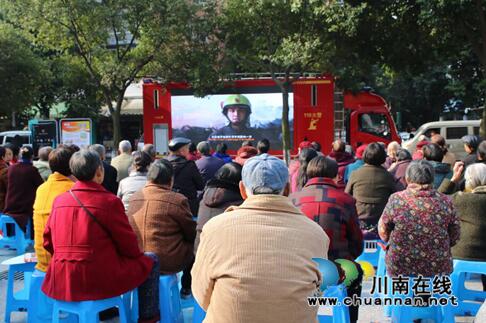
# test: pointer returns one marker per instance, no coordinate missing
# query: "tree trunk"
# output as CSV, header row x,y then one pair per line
x,y
285,123
115,117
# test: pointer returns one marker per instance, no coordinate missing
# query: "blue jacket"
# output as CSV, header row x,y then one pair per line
x,y
208,166
442,171
351,168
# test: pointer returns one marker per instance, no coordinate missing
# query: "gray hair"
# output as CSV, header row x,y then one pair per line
x,y
84,163
420,172
475,176
100,149
392,147
160,172
44,153
125,146
262,190
149,149
204,148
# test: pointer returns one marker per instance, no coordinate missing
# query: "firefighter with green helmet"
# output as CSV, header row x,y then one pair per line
x,y
237,109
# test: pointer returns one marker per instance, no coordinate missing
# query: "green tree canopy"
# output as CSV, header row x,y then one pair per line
x,y
21,72
116,40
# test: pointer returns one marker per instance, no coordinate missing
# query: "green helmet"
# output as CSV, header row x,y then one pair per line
x,y
236,100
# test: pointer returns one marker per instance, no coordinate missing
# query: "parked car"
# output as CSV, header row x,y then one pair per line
x,y
452,131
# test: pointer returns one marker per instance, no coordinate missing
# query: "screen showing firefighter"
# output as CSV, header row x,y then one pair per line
x,y
231,118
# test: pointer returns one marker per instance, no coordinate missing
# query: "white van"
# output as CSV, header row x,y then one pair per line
x,y
16,137
452,131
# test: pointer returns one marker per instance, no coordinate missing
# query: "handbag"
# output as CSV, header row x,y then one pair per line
x,y
92,216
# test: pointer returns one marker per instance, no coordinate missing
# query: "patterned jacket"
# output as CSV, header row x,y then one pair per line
x,y
335,211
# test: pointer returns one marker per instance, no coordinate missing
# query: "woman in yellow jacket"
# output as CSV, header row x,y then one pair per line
x,y
60,181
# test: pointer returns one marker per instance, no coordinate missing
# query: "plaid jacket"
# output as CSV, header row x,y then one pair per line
x,y
335,212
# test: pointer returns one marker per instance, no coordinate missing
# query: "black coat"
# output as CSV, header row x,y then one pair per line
x,y
109,182
187,180
218,196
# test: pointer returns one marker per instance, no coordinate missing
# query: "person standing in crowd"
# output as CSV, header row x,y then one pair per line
x,y
187,179
357,164
192,153
8,154
3,177
245,153
150,150
299,178
123,161
263,146
13,158
162,221
421,225
220,193
335,211
419,154
137,178
220,153
471,144
111,174
343,158
434,154
276,244
449,158
94,250
371,186
399,168
42,164
207,164
23,180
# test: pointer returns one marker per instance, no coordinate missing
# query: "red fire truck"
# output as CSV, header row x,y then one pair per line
x,y
317,113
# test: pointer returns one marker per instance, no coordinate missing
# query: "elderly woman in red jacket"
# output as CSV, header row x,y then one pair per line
x,y
95,254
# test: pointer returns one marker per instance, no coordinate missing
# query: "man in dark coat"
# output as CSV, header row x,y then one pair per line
x,y
187,179
207,164
109,182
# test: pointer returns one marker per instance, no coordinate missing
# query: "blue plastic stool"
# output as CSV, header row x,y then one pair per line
x,y
18,301
371,252
20,240
469,300
87,311
340,313
40,305
407,314
130,300
199,314
169,299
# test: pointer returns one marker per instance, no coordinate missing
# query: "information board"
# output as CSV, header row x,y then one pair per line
x,y
76,132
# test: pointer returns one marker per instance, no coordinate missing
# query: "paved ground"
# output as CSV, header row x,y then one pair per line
x,y
367,314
